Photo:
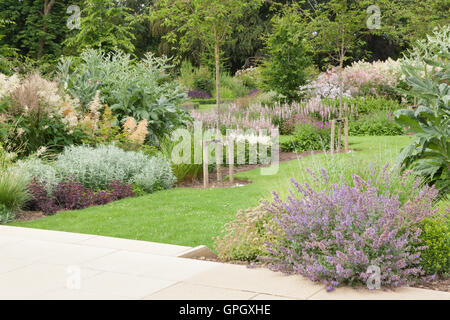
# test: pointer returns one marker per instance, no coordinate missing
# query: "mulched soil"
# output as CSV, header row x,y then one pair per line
x,y
440,284
29,216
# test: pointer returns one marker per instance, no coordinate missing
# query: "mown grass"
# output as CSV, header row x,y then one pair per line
x,y
194,216
206,107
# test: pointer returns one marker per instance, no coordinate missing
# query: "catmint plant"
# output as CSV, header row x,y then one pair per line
x,y
334,233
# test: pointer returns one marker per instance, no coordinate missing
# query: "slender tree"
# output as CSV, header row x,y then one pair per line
x,y
210,21
335,28
286,56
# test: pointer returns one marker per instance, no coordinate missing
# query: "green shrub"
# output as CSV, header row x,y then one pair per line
x,y
268,98
308,137
376,124
226,94
251,77
186,77
43,172
204,101
436,236
96,168
203,80
234,85
368,104
32,132
429,152
209,101
142,90
287,59
155,175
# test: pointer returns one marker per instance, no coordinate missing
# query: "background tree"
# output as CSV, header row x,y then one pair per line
x,y
284,69
5,49
209,21
38,28
335,28
105,24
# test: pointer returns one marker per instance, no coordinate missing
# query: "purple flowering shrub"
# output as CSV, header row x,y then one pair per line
x,y
198,94
333,235
71,195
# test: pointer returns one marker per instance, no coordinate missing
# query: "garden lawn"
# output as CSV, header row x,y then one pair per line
x,y
192,217
206,107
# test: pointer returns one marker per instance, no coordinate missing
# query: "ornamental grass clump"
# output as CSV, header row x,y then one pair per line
x,y
243,238
334,234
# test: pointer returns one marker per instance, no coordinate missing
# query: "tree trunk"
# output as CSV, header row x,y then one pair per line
x,y
47,9
217,58
341,88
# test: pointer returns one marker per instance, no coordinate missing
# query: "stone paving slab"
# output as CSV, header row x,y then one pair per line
x,y
39,234
41,264
144,264
182,290
258,280
161,249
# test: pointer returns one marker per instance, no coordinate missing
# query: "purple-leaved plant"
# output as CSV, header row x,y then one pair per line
x,y
71,195
40,201
335,234
120,190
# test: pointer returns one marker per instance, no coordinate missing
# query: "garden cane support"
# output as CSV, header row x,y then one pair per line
x,y
346,134
206,161
231,159
219,159
333,124
205,164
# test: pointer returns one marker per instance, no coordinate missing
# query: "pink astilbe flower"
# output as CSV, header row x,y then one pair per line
x,y
259,117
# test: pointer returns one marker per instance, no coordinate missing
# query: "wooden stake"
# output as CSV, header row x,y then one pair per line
x,y
231,159
205,165
346,134
219,159
339,136
333,123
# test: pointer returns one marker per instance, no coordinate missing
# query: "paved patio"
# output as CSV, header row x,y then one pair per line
x,y
41,264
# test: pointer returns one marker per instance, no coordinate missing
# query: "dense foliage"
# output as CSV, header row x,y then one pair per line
x,y
427,71
436,237
375,124
141,90
309,135
284,71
